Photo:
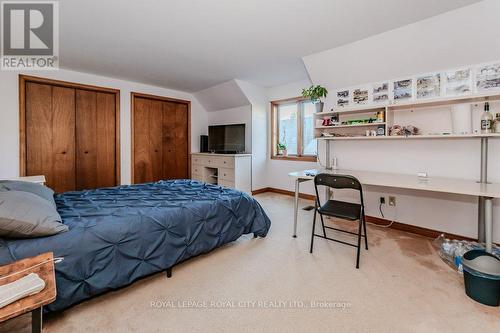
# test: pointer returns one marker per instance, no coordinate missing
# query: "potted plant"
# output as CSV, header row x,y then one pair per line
x,y
316,94
281,147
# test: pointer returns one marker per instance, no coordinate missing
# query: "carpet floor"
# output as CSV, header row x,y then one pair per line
x,y
273,284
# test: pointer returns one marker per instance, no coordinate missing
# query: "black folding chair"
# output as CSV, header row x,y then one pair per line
x,y
341,209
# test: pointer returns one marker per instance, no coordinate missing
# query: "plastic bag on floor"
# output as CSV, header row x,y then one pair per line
x,y
452,250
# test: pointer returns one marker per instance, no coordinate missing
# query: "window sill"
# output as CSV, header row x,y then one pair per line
x,y
295,158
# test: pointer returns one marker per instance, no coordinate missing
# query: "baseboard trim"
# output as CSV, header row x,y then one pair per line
x,y
413,229
421,231
285,192
261,190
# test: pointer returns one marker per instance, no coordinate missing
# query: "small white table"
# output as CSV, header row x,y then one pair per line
x,y
412,182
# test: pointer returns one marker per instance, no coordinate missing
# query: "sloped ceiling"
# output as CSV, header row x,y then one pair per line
x,y
223,96
192,45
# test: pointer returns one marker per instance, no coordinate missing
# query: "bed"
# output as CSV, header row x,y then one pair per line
x,y
120,234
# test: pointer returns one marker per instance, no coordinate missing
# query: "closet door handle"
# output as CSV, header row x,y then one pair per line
x,y
85,152
64,153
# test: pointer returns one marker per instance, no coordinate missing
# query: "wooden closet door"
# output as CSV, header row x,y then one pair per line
x,y
161,142
147,140
175,141
181,139
95,139
168,140
155,140
50,134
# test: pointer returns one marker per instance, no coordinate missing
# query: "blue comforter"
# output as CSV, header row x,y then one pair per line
x,y
117,235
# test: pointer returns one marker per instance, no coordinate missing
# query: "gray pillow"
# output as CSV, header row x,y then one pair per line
x,y
26,215
38,189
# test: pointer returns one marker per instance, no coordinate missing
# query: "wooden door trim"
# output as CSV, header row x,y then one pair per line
x,y
24,79
133,95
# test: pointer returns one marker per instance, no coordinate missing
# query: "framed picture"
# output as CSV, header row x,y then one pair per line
x,y
458,82
343,97
403,90
429,86
488,77
380,92
360,96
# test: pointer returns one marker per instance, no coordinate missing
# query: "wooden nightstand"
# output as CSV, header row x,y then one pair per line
x,y
43,265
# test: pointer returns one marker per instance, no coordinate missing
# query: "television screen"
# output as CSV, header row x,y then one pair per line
x,y
229,139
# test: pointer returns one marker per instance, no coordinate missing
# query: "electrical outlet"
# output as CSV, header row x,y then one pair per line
x,y
382,200
392,201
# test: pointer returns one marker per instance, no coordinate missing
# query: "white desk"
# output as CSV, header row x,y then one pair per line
x,y
433,184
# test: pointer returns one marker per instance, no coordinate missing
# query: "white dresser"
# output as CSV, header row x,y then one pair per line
x,y
229,170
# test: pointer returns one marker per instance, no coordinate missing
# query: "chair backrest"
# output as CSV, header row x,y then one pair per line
x,y
337,182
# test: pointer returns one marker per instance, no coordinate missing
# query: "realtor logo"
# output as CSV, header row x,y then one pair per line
x,y
29,35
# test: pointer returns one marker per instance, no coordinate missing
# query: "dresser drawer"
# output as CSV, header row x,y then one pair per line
x,y
223,162
197,169
199,159
226,174
226,183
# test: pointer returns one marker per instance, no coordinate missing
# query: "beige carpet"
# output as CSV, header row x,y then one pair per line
x,y
402,286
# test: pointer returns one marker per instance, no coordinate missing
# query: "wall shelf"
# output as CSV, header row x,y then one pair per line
x,y
414,137
430,116
353,125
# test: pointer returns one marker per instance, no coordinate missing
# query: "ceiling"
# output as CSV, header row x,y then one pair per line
x,y
191,45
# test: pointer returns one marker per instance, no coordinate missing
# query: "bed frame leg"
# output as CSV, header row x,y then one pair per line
x,y
169,272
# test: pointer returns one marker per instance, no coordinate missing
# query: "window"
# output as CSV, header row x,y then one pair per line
x,y
293,130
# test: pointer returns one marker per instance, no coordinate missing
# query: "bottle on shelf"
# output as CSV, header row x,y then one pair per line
x,y
486,120
497,123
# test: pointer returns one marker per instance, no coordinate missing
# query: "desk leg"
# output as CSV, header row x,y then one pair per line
x,y
488,223
36,320
481,236
296,207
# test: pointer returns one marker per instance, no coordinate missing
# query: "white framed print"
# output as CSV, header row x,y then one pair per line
x,y
488,77
429,86
343,98
380,92
402,90
360,96
458,82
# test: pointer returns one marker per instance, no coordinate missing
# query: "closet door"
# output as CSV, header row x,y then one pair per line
x,y
147,140
95,139
168,140
161,141
50,133
175,141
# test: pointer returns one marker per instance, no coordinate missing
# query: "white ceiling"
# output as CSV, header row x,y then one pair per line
x,y
195,44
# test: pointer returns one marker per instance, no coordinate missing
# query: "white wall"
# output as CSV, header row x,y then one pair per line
x,y
238,115
9,115
463,37
259,101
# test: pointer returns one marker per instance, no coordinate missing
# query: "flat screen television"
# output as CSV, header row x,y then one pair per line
x,y
226,139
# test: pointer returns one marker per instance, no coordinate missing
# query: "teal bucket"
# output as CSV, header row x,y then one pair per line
x,y
482,277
